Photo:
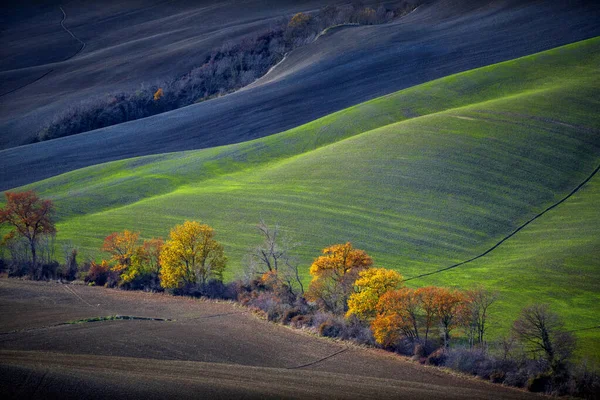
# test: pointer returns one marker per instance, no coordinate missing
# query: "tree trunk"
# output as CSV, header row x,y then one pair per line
x,y
33,257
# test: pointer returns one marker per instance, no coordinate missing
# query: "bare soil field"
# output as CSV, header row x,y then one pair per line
x,y
202,349
139,42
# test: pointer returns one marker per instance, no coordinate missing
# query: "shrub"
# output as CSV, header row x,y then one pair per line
x,y
497,376
358,333
19,269
585,383
301,321
404,346
419,351
99,274
331,328
290,314
71,268
516,378
437,358
216,289
541,383
49,270
465,360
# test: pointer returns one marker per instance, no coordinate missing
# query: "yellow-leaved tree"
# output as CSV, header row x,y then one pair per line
x,y
145,262
191,255
368,289
333,275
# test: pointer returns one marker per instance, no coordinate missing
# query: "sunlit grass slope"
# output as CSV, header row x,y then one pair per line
x,y
556,259
421,179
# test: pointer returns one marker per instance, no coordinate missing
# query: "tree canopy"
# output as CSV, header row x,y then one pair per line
x,y
334,273
30,216
368,288
191,255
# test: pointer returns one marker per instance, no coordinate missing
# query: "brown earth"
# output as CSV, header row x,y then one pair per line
x,y
208,349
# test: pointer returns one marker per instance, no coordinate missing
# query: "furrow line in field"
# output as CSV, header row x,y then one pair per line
x,y
513,233
320,359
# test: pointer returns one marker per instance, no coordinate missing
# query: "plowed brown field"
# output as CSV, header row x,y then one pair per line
x,y
207,350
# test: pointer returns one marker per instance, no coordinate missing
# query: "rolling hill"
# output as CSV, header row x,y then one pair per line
x,y
421,179
341,69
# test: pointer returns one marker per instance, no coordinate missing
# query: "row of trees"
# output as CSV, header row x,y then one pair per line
x,y
343,281
225,70
347,297
191,256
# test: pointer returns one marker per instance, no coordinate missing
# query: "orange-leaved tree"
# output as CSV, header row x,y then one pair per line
x,y
30,216
333,275
427,297
121,247
191,255
371,284
397,316
449,305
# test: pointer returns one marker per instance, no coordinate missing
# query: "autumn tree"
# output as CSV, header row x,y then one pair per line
x,y
427,297
299,29
448,305
333,275
31,218
543,332
121,247
299,21
145,263
397,317
191,255
371,284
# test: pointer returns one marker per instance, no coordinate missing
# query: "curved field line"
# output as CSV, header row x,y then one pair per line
x,y
513,233
320,359
585,329
62,23
27,84
214,315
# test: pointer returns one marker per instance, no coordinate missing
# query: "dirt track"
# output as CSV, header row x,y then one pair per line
x,y
340,69
214,350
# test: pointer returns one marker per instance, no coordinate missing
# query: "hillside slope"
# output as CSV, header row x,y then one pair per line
x,y
127,43
338,70
492,148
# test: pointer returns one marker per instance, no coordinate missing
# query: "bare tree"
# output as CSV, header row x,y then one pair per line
x,y
478,301
274,255
543,332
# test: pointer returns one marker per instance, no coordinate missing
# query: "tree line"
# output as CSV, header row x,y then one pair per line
x,y
224,70
348,297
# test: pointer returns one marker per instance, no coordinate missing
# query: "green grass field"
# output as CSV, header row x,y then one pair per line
x,y
420,179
